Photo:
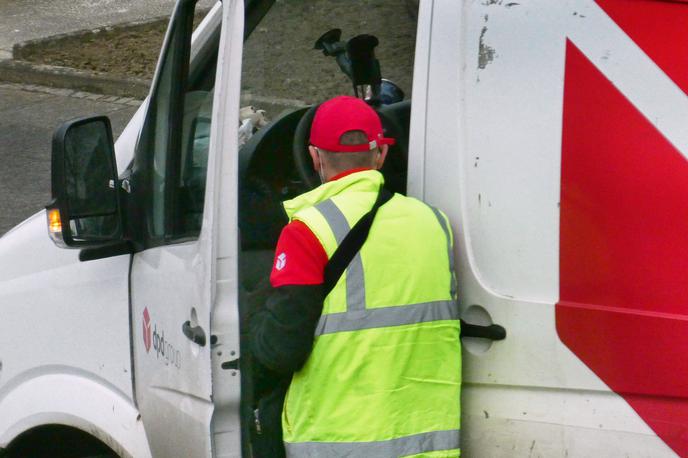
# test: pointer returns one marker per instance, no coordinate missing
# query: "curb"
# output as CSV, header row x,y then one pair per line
x,y
128,101
18,71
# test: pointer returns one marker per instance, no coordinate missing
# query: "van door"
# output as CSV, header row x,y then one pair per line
x,y
171,273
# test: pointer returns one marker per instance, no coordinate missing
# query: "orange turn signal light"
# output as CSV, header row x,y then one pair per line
x,y
55,227
54,221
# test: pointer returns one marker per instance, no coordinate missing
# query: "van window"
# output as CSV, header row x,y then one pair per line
x,y
173,151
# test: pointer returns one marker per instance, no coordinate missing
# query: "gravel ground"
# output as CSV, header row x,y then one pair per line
x,y
129,51
279,60
287,34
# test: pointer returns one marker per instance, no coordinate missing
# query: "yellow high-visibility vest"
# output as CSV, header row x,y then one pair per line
x,y
384,375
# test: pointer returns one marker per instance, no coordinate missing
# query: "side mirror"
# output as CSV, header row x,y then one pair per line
x,y
85,210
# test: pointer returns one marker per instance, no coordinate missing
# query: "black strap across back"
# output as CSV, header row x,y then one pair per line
x,y
352,243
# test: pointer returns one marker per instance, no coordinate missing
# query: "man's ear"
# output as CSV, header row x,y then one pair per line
x,y
381,156
315,156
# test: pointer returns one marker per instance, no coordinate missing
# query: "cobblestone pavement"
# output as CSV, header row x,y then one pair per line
x,y
28,117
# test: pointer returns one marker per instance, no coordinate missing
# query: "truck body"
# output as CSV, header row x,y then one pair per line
x,y
553,136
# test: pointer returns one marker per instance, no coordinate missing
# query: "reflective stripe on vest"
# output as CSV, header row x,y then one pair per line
x,y
357,316
401,446
387,316
355,286
447,233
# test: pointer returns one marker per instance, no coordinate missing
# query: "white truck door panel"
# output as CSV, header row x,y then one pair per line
x,y
173,385
171,275
486,147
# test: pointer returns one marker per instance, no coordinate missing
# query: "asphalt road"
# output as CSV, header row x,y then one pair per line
x,y
28,118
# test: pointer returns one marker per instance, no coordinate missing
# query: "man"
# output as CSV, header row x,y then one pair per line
x,y
377,363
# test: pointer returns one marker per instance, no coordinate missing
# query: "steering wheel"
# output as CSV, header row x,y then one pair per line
x,y
302,159
394,168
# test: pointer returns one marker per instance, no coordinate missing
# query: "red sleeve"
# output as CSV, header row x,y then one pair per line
x,y
299,258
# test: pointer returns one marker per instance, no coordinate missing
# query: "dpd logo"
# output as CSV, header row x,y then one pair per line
x,y
154,339
147,338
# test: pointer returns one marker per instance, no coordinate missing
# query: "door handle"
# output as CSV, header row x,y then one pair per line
x,y
231,365
195,334
492,332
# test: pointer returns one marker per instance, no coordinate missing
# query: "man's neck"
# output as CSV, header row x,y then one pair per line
x,y
348,172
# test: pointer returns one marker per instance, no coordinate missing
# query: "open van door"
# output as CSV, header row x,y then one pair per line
x,y
172,272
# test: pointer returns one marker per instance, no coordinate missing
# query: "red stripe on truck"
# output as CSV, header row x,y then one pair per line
x,y
624,250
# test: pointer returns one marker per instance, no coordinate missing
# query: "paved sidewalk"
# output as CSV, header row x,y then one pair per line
x,y
28,117
24,20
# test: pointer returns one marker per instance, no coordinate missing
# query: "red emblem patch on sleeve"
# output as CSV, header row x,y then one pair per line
x,y
300,258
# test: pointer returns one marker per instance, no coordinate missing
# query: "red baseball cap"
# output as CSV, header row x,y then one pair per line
x,y
343,114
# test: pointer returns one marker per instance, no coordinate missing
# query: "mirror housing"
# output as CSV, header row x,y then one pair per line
x,y
86,209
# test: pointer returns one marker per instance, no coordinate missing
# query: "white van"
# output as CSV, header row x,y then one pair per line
x,y
552,133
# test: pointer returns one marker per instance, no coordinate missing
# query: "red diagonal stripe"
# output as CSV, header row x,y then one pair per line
x,y
624,251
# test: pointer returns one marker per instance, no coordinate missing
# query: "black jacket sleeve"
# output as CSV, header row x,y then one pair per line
x,y
281,333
